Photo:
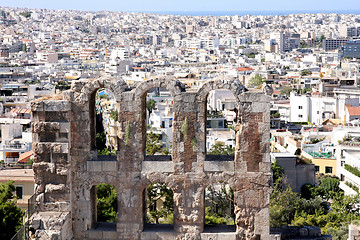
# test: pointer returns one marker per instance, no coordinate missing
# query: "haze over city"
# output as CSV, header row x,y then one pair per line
x,y
188,5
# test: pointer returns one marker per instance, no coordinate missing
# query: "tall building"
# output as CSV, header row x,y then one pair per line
x,y
350,49
333,44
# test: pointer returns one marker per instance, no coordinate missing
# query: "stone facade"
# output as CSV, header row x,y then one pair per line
x,y
67,167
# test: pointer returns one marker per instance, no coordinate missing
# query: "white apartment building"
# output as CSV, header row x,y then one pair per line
x,y
299,107
317,108
348,158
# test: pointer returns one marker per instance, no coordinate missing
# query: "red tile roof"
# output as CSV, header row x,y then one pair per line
x,y
242,69
24,157
353,110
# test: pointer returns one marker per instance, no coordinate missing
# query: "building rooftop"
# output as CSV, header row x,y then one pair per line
x,y
17,174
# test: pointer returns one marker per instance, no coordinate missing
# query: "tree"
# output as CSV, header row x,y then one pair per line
x,y
221,149
150,105
256,81
250,55
305,72
221,209
10,215
24,48
286,91
101,141
153,143
303,44
283,205
278,172
26,14
330,186
106,203
159,192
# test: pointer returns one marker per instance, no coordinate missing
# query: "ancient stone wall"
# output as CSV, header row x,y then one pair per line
x,y
67,166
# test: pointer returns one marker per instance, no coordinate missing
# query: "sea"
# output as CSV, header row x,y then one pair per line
x,y
253,12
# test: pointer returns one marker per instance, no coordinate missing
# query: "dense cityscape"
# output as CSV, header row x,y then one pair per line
x,y
308,64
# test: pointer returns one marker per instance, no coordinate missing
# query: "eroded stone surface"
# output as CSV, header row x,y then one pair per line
x,y
66,167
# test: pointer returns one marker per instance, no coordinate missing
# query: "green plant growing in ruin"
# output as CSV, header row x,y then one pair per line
x,y
114,115
127,134
194,143
184,128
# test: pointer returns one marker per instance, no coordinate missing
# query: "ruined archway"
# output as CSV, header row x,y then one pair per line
x,y
64,184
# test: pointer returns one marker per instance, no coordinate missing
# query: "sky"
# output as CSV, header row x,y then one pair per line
x,y
187,5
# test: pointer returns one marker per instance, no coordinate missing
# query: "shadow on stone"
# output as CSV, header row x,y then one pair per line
x,y
219,158
105,226
158,228
219,228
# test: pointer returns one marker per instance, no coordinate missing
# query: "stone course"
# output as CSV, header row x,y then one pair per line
x,y
67,167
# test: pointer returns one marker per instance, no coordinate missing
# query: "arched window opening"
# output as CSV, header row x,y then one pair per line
x,y
159,207
220,123
219,208
159,119
106,122
104,206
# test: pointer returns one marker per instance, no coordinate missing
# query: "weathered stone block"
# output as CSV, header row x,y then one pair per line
x,y
219,166
108,166
59,105
157,166
37,106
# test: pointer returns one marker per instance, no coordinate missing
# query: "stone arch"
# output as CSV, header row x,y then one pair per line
x,y
234,86
84,98
215,190
158,179
173,86
85,196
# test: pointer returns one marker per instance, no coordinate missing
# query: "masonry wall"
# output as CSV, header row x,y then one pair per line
x,y
67,166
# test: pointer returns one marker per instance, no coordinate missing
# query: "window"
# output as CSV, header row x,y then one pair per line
x,y
342,177
317,168
104,207
328,169
219,208
159,116
19,192
220,118
300,107
104,115
300,115
158,207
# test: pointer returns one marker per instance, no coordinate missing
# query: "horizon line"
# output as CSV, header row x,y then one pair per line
x,y
296,11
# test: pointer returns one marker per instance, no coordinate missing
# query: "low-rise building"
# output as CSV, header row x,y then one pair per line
x,y
297,174
24,184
